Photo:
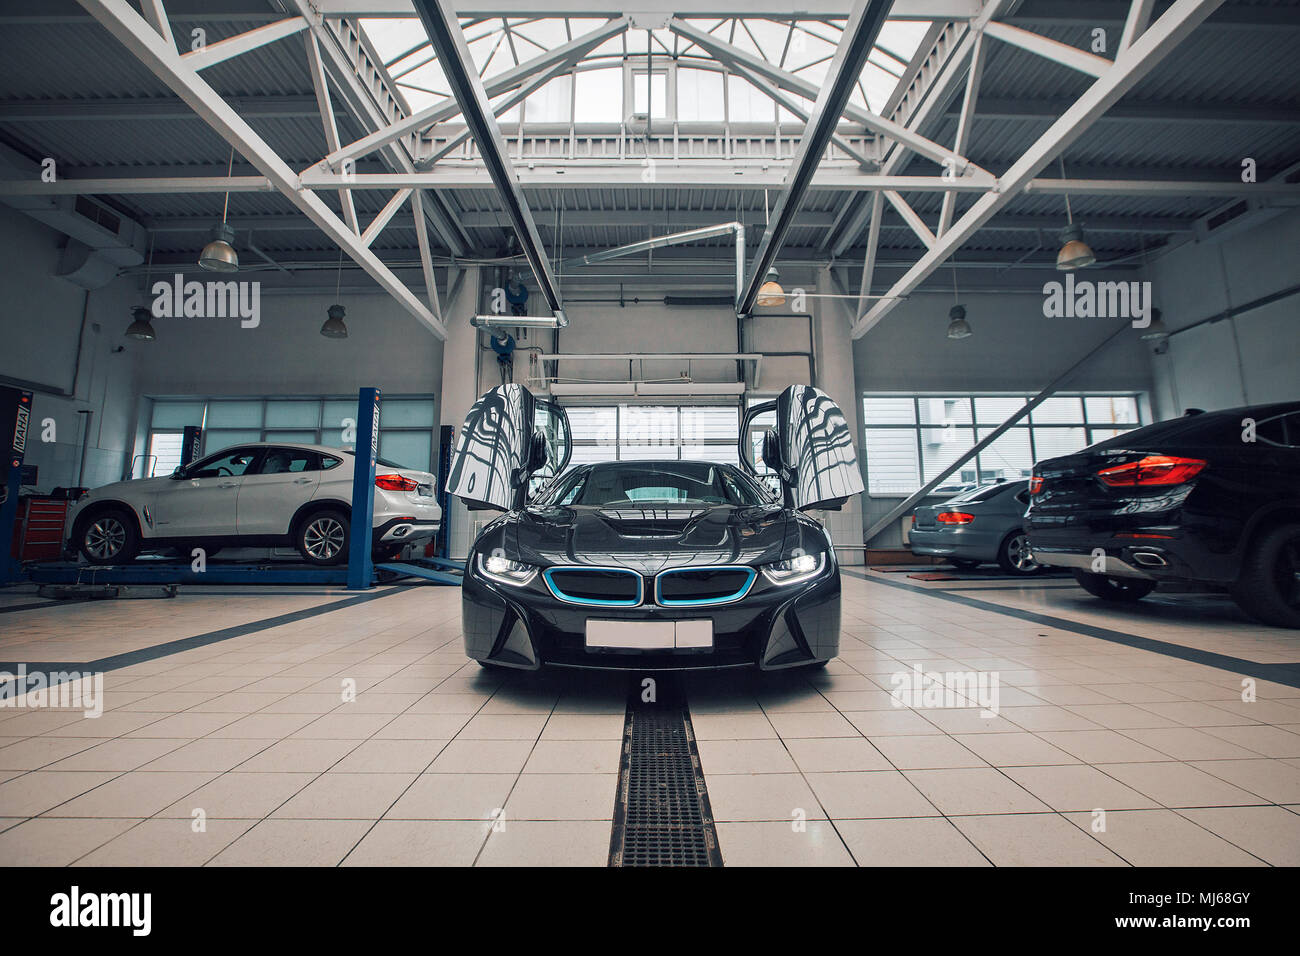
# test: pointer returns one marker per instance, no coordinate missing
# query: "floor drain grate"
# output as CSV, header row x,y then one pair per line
x,y
661,812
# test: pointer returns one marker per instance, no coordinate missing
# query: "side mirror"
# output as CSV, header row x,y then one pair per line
x,y
537,454
179,472
772,450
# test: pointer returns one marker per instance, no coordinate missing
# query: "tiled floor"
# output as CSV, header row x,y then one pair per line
x,y
361,736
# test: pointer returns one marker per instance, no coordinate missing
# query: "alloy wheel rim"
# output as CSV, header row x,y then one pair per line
x,y
323,538
1022,559
105,538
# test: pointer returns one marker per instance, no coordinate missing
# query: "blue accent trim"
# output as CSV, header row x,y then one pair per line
x,y
559,595
703,602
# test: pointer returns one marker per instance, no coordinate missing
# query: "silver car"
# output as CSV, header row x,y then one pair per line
x,y
254,495
979,525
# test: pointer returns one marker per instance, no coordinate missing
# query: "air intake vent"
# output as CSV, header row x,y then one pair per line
x,y
686,587
595,587
1225,216
88,209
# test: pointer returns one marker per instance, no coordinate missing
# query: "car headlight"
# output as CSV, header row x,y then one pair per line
x,y
801,567
498,568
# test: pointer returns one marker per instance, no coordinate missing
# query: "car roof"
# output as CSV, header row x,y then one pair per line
x,y
280,444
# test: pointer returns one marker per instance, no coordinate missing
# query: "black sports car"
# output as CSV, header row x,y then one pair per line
x,y
651,564
1212,498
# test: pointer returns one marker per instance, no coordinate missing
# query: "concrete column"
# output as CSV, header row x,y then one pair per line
x,y
460,389
832,319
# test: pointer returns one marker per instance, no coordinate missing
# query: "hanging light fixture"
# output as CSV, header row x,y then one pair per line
x,y
334,327
958,327
1157,330
141,329
770,292
1075,253
219,255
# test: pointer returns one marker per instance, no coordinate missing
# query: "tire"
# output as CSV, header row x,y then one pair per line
x,y
1014,556
110,536
1118,590
963,564
387,552
322,537
1267,587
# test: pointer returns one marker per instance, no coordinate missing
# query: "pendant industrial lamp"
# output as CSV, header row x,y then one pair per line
x,y
141,329
334,327
219,255
1075,253
770,292
958,327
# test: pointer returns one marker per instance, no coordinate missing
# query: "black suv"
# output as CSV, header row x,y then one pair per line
x,y
1212,497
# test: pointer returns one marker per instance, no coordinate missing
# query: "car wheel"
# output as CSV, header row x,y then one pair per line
x,y
387,552
962,564
1014,556
322,537
1122,590
109,537
1268,587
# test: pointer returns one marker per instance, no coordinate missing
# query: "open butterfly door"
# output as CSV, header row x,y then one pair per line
x,y
508,436
810,449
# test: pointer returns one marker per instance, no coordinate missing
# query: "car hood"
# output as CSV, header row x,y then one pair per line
x,y
129,489
649,540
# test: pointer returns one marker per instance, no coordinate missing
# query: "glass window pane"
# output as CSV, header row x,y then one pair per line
x,y
164,453
406,413
940,447
177,414
1053,442
551,103
597,424
333,413
1111,409
1058,410
892,467
242,414
586,454
699,95
746,103
945,410
726,454
1008,457
408,449
658,452
994,410
215,439
333,437
650,95
297,437
598,97
647,425
710,423
292,415
888,411
1101,434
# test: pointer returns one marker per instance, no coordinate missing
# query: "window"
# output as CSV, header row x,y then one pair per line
x,y
407,426
598,96
909,440
667,432
229,464
650,94
279,461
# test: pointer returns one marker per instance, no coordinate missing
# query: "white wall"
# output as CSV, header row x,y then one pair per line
x,y
1249,359
43,319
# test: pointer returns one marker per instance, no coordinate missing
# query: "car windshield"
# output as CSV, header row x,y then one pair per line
x,y
654,484
983,492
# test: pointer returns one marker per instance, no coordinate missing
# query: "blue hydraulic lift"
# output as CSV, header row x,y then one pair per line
x,y
359,573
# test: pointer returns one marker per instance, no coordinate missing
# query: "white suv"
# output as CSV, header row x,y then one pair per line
x,y
253,495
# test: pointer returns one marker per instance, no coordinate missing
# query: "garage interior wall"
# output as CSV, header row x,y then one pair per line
x,y
1014,349
1248,359
65,343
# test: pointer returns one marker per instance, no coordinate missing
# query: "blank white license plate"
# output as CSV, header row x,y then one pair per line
x,y
649,635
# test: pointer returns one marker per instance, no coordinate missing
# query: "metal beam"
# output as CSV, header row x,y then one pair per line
x,y
1053,50
1162,111
439,112
1139,15
426,253
906,505
156,14
384,216
850,57
771,9
914,222
1130,66
321,84
149,48
873,248
964,123
117,108
211,54
443,29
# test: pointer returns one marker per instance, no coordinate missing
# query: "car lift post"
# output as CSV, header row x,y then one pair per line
x,y
361,570
10,565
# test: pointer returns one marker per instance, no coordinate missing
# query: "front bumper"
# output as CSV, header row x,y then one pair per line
x,y
771,628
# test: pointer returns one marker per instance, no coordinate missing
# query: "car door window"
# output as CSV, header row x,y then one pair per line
x,y
226,464
278,461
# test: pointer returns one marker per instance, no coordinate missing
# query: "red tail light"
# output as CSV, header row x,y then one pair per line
x,y
396,483
1152,470
954,517
1035,484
